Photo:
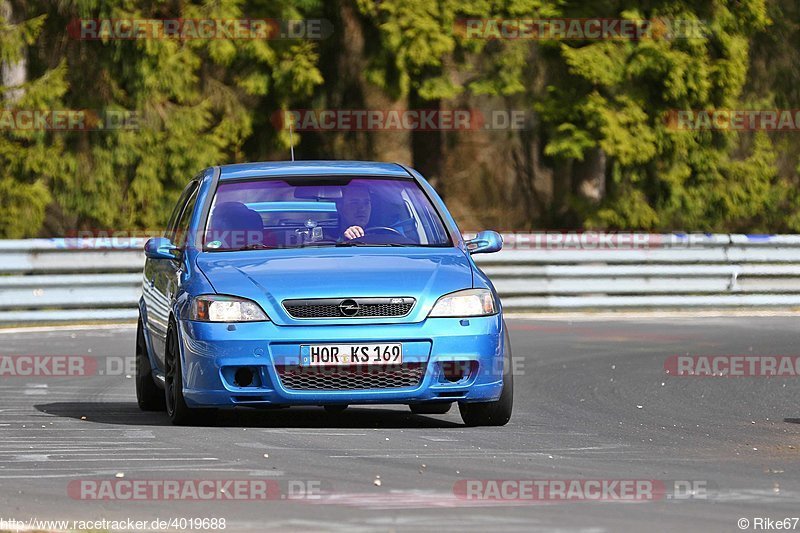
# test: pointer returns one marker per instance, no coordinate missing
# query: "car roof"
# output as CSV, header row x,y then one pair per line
x,y
312,168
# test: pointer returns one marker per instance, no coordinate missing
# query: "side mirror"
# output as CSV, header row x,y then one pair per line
x,y
485,242
161,248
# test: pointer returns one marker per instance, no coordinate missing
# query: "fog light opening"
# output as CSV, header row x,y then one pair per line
x,y
243,377
455,371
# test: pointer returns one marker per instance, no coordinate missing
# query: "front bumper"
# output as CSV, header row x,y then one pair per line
x,y
211,352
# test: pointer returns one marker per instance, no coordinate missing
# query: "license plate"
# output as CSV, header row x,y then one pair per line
x,y
351,354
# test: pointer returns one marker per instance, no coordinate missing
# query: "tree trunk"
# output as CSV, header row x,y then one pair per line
x,y
589,176
13,75
562,184
427,147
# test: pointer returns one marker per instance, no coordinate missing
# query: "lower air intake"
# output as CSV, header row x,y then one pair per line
x,y
351,377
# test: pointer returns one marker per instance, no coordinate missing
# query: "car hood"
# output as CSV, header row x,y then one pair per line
x,y
271,276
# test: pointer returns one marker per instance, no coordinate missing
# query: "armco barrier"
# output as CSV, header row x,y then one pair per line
x,y
69,280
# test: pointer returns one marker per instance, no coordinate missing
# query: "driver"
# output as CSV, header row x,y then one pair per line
x,y
354,211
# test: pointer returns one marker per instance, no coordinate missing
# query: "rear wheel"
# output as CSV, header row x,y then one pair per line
x,y
148,395
498,412
179,413
437,408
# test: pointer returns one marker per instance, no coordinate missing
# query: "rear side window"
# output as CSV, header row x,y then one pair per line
x,y
182,230
181,215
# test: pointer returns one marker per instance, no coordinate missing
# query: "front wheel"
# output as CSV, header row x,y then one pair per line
x,y
148,395
179,413
498,412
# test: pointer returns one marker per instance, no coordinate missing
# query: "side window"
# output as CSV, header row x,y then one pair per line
x,y
182,229
176,213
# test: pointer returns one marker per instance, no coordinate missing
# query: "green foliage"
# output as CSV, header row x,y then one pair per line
x,y
191,99
22,207
29,158
202,102
616,95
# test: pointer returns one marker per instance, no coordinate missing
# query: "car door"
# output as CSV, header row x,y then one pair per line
x,y
161,275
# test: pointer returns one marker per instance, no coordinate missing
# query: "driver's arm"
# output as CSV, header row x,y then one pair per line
x,y
353,232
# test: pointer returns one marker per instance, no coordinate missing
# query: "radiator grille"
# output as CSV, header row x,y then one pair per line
x,y
349,308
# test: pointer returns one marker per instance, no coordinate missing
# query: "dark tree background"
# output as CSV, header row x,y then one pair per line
x,y
596,151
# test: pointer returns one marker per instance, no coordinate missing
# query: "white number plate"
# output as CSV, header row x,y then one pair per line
x,y
351,354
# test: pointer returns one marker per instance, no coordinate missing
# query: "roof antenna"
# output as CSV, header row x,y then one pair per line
x,y
291,139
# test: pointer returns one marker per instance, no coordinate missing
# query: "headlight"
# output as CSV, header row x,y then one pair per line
x,y
470,302
215,308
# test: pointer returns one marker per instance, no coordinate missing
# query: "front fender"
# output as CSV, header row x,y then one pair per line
x,y
148,342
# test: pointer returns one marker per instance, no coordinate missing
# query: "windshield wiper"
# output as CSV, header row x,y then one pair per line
x,y
351,243
356,243
254,246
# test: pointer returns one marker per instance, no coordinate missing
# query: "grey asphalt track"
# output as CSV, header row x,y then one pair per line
x,y
593,402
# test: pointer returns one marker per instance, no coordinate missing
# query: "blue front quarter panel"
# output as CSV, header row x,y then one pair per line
x,y
209,347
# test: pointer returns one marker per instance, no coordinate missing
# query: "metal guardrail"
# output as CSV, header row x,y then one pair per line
x,y
69,280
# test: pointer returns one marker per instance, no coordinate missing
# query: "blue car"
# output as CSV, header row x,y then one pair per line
x,y
323,283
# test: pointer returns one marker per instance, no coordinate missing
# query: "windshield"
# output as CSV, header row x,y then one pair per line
x,y
304,212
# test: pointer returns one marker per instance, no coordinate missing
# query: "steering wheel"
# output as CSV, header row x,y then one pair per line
x,y
384,229
392,235
404,221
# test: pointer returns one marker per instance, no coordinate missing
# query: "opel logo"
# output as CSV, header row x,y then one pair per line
x,y
349,308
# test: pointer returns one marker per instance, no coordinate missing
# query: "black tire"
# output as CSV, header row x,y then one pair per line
x,y
437,408
335,409
498,412
148,395
179,413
